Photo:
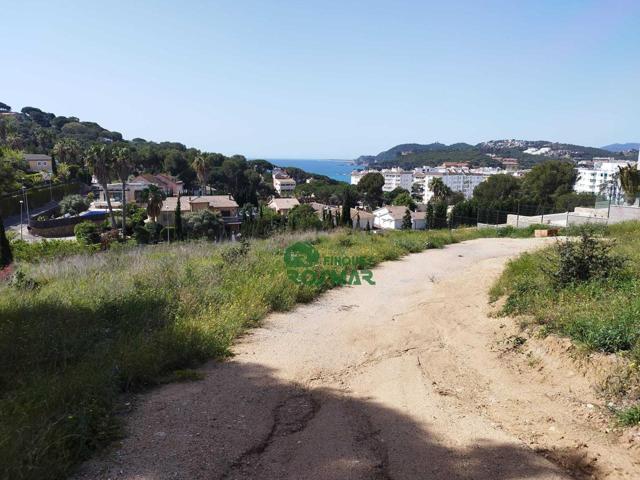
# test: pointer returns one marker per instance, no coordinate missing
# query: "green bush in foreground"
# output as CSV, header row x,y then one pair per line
x,y
582,289
582,260
95,325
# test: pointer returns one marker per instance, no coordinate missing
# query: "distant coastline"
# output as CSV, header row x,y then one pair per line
x,y
334,168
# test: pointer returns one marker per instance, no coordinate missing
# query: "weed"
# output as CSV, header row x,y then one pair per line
x,y
629,416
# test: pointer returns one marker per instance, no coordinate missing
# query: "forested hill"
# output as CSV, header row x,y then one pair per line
x,y
32,130
527,152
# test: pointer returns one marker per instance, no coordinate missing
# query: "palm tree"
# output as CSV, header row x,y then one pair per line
x,y
439,189
122,160
154,197
67,150
99,162
630,182
201,166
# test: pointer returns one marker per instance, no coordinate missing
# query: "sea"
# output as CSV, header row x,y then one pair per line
x,y
336,169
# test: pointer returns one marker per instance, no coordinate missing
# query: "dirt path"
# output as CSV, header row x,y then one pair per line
x,y
407,379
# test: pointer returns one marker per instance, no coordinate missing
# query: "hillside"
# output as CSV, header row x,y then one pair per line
x,y
528,153
622,147
33,130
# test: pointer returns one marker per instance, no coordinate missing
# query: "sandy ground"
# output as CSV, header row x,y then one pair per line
x,y
409,379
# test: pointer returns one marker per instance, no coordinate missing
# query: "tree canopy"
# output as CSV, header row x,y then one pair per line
x,y
370,187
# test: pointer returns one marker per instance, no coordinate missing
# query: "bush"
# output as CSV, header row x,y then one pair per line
x,y
73,205
593,293
203,224
141,235
584,260
35,252
154,230
87,233
304,217
629,416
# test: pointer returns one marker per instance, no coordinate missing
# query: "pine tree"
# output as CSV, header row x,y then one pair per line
x,y
6,257
406,220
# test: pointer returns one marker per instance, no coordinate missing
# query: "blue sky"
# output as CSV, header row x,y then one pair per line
x,y
329,79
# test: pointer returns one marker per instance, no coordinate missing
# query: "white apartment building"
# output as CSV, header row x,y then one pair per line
x,y
393,178
457,179
283,183
601,178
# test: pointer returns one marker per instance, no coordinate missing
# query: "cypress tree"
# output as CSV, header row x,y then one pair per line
x,y
406,220
429,216
6,257
178,220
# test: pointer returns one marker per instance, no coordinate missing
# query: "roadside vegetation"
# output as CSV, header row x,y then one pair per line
x,y
76,334
586,288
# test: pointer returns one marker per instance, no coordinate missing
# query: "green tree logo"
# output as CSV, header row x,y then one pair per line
x,y
301,254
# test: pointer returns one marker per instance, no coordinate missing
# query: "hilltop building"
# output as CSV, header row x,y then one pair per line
x,y
283,183
39,162
169,184
393,178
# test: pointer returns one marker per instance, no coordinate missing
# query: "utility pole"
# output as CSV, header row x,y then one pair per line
x,y
26,200
21,202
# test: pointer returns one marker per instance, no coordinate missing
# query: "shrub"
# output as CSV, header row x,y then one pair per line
x,y
35,252
141,235
584,260
304,217
505,231
203,224
73,205
87,233
629,416
154,230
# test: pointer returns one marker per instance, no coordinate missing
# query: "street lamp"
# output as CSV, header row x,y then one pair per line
x,y
26,200
21,202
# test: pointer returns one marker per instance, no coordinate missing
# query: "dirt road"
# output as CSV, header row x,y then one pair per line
x,y
408,379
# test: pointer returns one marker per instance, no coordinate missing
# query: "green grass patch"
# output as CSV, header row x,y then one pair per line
x,y
629,416
78,332
601,313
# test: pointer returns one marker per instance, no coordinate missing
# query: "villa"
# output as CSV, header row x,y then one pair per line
x,y
283,205
391,218
224,205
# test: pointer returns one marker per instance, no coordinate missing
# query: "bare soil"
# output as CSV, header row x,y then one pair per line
x,y
412,378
